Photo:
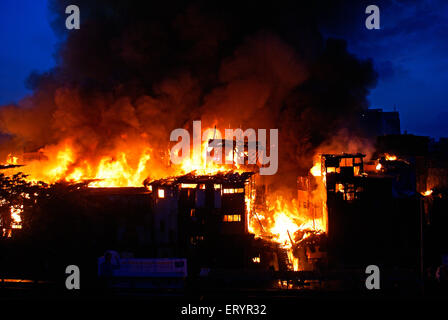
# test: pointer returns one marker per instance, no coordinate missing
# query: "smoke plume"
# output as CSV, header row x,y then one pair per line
x,y
135,71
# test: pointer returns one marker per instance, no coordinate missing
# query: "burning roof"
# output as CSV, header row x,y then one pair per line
x,y
229,177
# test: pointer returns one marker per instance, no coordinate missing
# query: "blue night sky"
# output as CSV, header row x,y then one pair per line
x,y
28,44
409,53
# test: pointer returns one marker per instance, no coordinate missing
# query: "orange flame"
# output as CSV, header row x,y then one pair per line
x,y
287,221
390,157
281,219
316,169
122,168
11,159
16,212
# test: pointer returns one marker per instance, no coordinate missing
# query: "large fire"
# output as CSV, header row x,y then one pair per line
x,y
128,167
119,170
280,220
283,221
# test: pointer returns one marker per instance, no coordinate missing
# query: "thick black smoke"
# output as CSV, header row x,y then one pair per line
x,y
137,70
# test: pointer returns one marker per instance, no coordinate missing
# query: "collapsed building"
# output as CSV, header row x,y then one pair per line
x,y
206,218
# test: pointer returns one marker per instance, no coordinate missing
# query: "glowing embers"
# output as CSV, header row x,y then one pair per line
x,y
231,218
427,193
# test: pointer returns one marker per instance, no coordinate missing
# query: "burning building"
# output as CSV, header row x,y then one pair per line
x,y
372,217
87,122
205,216
216,222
